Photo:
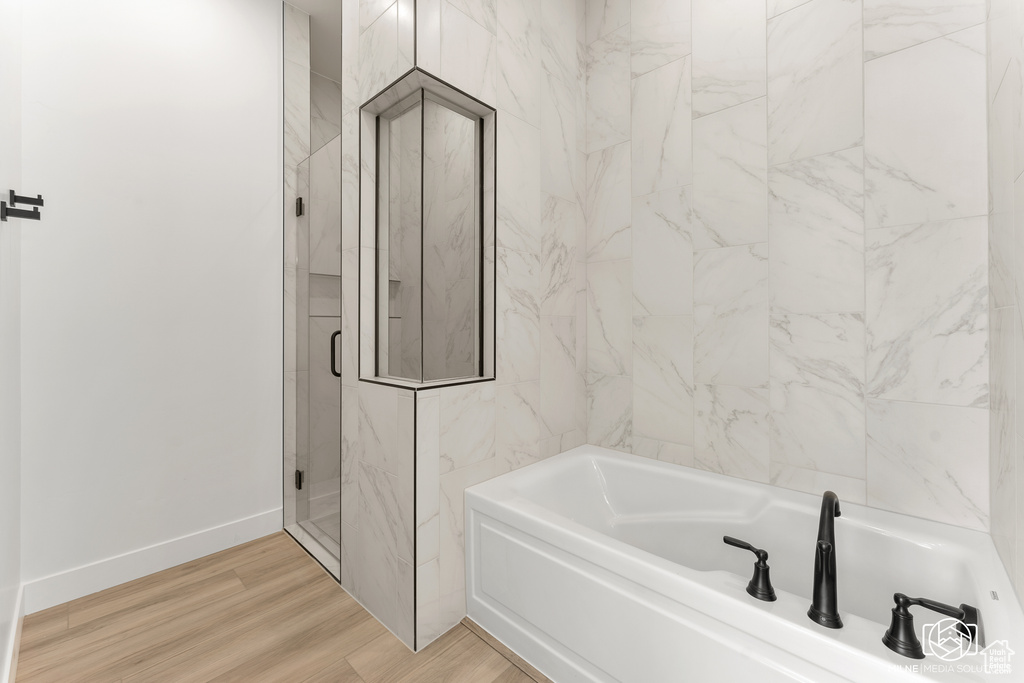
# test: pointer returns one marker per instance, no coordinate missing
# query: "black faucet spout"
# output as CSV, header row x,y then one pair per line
x,y
824,604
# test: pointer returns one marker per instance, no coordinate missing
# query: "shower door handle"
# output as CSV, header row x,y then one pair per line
x,y
334,354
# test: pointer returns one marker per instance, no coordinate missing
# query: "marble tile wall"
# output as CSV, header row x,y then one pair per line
x,y
523,57
787,244
377,422
1005,66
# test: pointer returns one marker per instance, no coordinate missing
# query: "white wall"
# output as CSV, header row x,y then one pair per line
x,y
10,336
152,289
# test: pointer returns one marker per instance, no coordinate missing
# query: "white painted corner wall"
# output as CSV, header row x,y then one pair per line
x,y
151,291
10,340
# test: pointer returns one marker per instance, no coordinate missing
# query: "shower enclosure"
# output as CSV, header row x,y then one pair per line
x,y
312,281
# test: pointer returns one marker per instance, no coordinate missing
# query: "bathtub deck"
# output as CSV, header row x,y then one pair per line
x,y
263,611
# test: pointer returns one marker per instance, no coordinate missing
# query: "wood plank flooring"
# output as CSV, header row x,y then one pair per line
x,y
263,611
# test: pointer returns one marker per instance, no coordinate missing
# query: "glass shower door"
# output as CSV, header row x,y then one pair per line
x,y
312,316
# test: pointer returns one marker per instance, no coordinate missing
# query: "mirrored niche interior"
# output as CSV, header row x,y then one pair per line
x,y
428,157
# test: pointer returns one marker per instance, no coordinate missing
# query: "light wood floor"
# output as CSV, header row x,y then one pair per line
x,y
263,611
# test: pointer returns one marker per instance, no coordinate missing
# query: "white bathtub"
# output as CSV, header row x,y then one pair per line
x,y
600,566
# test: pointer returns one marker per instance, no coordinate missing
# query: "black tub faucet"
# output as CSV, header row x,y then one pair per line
x,y
824,609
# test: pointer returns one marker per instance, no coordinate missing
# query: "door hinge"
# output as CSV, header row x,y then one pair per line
x,y
298,206
298,479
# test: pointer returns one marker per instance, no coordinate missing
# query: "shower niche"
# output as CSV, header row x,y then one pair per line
x,y
427,256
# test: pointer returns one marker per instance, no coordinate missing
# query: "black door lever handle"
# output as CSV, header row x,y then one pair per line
x,y
334,360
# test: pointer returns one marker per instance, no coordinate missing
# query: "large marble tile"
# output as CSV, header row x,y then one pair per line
x,y
815,80
553,445
891,25
428,473
484,12
296,36
351,454
848,489
349,359
518,178
467,425
776,7
469,55
659,33
296,113
428,34
350,181
370,10
518,317
816,229
558,257
558,152
428,603
661,124
1018,237
1002,437
1018,564
378,417
452,560
604,16
927,313
558,374
379,58
608,81
1001,195
405,599
731,431
925,146
325,210
324,295
817,393
663,378
375,570
325,111
730,177
519,72
608,203
1018,346
609,318
406,35
380,511
729,53
610,411
663,253
518,424
558,40
730,316
677,454
929,461
349,57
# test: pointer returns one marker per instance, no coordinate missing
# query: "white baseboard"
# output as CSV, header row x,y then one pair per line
x,y
75,583
9,663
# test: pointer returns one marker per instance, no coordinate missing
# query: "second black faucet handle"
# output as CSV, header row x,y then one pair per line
x,y
762,555
760,585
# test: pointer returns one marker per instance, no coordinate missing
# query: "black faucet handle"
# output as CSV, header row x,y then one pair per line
x,y
762,555
760,585
901,637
